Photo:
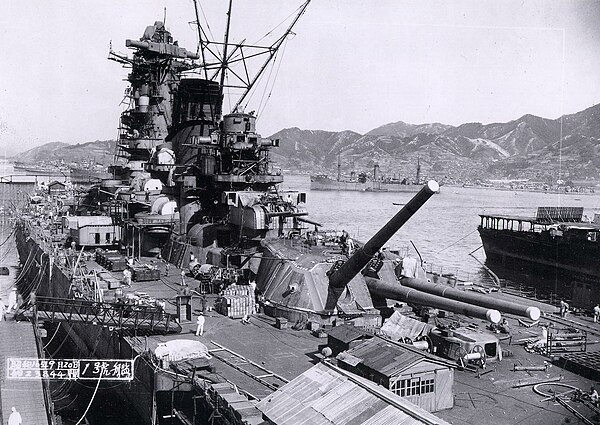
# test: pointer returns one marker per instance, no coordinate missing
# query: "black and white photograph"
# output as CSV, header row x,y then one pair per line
x,y
281,212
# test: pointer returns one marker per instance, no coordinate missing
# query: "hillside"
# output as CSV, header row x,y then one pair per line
x,y
527,147
100,151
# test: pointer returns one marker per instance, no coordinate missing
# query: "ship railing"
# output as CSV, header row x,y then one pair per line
x,y
532,293
448,272
150,319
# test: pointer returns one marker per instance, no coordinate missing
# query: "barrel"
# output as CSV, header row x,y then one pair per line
x,y
362,256
398,292
531,312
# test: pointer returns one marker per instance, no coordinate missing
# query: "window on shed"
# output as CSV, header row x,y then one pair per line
x,y
413,386
97,238
427,386
107,237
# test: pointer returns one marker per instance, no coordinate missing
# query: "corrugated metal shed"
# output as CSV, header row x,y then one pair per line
x,y
328,395
390,358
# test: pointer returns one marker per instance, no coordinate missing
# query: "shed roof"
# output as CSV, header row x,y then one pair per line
x,y
388,357
347,333
56,183
325,394
93,220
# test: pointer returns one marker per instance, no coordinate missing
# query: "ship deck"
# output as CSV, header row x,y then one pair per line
x,y
286,351
498,396
479,398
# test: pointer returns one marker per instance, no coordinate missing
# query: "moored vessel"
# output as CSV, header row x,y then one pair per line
x,y
556,242
363,182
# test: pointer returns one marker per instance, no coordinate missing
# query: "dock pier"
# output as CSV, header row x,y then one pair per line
x,y
27,396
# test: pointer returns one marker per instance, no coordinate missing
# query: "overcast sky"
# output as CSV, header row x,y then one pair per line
x,y
352,65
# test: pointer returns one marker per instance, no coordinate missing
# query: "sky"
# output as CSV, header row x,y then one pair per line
x,y
350,65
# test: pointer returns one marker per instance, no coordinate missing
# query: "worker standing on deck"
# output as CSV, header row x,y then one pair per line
x,y
200,324
127,277
183,278
15,417
12,301
594,396
596,313
564,308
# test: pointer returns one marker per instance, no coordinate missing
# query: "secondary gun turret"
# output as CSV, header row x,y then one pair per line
x,y
343,275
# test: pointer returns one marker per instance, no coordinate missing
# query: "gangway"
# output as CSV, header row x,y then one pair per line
x,y
118,315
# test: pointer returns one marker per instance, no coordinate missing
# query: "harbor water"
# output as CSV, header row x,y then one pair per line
x,y
445,230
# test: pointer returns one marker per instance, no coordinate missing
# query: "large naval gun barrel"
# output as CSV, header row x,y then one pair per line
x,y
341,277
533,313
398,292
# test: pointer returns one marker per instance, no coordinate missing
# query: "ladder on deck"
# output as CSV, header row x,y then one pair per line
x,y
249,368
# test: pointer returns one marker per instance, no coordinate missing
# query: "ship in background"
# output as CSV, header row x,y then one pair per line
x,y
365,183
557,242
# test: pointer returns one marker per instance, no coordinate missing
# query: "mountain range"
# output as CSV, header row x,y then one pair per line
x,y
100,152
529,147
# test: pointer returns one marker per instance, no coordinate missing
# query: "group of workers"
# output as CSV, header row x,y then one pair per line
x,y
344,241
564,309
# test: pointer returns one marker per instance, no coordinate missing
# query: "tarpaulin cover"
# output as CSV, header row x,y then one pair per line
x,y
181,349
400,326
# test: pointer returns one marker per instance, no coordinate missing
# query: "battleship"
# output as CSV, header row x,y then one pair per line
x,y
234,307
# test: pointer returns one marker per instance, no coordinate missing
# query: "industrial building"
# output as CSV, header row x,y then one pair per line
x,y
57,188
424,379
326,394
94,230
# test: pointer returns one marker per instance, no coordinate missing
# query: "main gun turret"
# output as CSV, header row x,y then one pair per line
x,y
341,277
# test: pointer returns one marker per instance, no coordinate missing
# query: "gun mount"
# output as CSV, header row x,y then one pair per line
x,y
343,275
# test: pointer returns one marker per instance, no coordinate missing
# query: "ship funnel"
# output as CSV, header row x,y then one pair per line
x,y
341,277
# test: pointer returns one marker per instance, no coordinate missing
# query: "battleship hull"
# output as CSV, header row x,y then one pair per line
x,y
52,280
